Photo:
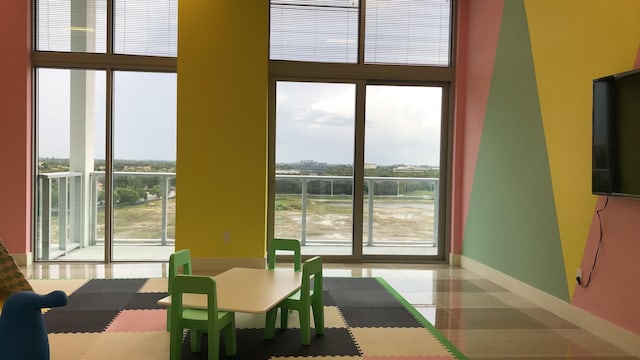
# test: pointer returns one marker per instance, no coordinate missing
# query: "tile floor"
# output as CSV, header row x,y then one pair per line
x,y
482,319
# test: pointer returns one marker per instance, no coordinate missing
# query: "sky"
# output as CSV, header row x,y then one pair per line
x,y
316,121
144,115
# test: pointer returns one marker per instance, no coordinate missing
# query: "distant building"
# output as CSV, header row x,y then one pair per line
x,y
288,172
406,169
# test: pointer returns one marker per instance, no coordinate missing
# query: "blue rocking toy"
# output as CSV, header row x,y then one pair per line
x,y
23,334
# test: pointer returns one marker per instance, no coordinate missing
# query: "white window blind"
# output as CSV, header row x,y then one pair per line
x,y
314,30
146,27
71,25
415,32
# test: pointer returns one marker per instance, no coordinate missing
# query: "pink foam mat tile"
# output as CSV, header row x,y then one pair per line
x,y
139,321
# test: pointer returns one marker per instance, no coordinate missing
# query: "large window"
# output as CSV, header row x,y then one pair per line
x,y
359,126
105,129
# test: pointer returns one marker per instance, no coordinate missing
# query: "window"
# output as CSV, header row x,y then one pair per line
x,y
143,27
359,126
105,129
322,30
71,26
413,32
408,32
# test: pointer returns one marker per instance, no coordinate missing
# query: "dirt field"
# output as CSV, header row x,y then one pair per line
x,y
392,222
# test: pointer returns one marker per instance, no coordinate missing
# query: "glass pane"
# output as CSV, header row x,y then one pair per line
x,y
144,165
402,170
71,130
408,32
72,26
314,165
146,27
314,30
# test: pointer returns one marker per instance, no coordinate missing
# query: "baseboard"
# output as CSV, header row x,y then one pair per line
x,y
610,332
25,259
215,265
455,259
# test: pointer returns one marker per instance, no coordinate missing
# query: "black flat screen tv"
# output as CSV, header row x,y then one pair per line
x,y
616,135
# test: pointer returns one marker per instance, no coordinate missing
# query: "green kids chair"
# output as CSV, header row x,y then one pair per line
x,y
199,321
305,300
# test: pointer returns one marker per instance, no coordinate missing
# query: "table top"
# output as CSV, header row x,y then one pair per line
x,y
247,290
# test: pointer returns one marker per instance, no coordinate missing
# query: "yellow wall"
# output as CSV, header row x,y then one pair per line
x,y
574,42
222,130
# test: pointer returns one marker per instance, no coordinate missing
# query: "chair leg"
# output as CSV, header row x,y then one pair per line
x,y
175,344
318,317
213,343
230,343
284,318
305,325
168,318
270,323
196,340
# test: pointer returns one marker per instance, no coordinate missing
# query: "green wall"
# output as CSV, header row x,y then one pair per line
x,y
511,222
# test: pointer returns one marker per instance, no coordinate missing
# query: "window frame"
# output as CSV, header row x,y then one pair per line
x,y
109,62
363,74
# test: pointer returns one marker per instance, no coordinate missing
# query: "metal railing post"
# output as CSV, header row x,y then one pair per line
x,y
45,213
436,210
76,197
303,229
93,216
63,192
370,184
164,186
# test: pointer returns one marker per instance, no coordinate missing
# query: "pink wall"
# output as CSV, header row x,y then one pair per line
x,y
477,35
617,266
618,262
15,125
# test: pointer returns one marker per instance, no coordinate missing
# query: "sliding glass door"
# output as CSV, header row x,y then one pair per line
x,y
144,165
401,170
385,204
71,133
72,204
314,165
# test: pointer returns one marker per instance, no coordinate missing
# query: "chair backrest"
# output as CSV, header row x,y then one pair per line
x,y
179,263
193,284
279,244
311,271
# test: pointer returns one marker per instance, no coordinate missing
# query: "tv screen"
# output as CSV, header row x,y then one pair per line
x,y
616,135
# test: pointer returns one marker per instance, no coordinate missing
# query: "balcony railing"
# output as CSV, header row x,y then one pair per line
x,y
164,197
62,226
58,226
429,193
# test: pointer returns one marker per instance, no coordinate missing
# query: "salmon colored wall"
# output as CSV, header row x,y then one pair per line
x,y
477,35
613,293
15,126
222,128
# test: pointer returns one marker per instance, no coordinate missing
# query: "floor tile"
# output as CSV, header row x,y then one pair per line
x,y
487,318
468,300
